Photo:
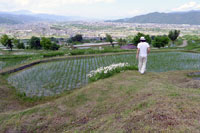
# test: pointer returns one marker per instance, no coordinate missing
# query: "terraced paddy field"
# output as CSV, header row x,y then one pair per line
x,y
56,77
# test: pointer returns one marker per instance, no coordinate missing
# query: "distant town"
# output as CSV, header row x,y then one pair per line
x,y
92,30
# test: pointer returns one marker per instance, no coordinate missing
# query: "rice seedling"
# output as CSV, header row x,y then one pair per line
x,y
55,77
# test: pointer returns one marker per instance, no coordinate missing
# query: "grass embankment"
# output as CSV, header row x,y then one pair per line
x,y
127,102
193,43
97,51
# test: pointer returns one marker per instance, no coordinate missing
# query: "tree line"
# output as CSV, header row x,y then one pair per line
x,y
48,44
157,41
34,43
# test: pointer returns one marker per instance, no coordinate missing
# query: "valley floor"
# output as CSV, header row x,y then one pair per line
x,y
126,102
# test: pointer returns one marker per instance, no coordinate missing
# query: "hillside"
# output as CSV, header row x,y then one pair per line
x,y
27,16
7,20
191,17
124,103
18,18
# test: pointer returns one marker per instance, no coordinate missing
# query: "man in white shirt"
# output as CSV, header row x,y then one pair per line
x,y
142,53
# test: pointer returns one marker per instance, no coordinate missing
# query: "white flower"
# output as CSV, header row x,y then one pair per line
x,y
106,69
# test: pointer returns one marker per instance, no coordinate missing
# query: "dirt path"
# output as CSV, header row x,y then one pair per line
x,y
185,43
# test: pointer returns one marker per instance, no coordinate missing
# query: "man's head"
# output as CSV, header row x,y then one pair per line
x,y
142,39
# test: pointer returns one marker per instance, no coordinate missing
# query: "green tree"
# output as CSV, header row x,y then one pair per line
x,y
160,41
4,40
173,35
121,41
136,39
10,44
35,43
21,45
17,43
77,38
46,43
109,39
54,46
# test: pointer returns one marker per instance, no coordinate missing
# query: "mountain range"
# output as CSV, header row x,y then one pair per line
x,y
24,16
189,17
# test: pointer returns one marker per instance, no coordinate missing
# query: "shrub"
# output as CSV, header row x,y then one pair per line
x,y
136,39
54,46
48,45
34,43
160,41
93,51
20,46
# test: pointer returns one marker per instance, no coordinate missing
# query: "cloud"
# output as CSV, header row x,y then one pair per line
x,y
57,2
188,6
47,5
22,2
134,12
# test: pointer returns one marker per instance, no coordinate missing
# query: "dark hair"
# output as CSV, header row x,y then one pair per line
x,y
143,40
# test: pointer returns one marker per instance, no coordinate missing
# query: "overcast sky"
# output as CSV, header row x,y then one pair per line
x,y
103,9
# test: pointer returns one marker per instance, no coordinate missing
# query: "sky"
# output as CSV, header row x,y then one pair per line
x,y
101,9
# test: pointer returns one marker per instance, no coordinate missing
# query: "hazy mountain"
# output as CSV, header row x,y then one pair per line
x,y
4,20
190,17
24,16
22,12
17,18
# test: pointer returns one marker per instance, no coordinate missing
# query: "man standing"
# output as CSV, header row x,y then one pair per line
x,y
142,53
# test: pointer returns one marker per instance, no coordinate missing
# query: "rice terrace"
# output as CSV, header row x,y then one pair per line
x,y
55,77
111,66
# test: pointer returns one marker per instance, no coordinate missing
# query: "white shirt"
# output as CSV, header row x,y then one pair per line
x,y
143,46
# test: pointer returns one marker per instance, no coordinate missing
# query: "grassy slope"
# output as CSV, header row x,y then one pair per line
x,y
8,99
126,102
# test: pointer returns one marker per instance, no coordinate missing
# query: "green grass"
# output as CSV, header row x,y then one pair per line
x,y
10,60
53,54
151,105
179,41
168,101
193,43
5,63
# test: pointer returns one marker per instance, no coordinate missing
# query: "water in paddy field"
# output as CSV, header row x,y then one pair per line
x,y
55,77
2,64
171,61
195,75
